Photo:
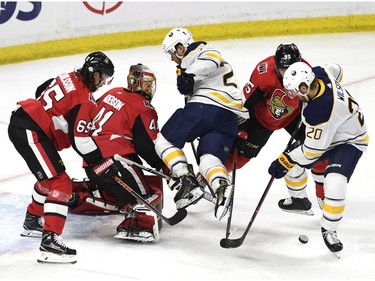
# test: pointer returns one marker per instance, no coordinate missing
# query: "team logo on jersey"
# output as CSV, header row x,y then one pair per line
x,y
262,68
277,106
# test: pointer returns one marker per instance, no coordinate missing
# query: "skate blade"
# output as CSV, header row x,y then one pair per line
x,y
337,254
197,195
51,258
31,233
224,209
299,212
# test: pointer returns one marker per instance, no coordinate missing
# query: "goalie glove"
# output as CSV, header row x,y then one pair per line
x,y
281,166
185,82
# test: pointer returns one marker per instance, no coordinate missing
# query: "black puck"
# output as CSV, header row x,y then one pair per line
x,y
303,239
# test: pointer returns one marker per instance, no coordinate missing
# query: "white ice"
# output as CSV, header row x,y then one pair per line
x,y
190,250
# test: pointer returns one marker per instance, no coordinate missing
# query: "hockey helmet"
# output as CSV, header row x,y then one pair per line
x,y
286,54
296,74
176,36
142,80
98,61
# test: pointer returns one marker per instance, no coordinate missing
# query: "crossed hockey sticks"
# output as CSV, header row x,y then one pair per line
x,y
235,243
207,195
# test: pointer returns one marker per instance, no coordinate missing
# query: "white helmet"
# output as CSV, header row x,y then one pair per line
x,y
174,37
295,75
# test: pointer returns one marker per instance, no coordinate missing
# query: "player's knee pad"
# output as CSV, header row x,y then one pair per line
x,y
212,169
296,181
39,193
335,186
60,187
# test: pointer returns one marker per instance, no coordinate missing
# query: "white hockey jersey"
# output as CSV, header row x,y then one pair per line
x,y
332,118
215,82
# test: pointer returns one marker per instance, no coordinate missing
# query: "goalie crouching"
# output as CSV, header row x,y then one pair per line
x,y
126,124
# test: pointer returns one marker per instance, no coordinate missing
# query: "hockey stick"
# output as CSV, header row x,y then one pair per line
x,y
235,243
207,195
230,210
130,162
175,219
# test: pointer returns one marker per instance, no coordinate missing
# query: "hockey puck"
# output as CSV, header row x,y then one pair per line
x,y
303,239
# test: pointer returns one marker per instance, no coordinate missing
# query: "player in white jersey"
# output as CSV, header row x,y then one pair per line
x,y
213,105
335,131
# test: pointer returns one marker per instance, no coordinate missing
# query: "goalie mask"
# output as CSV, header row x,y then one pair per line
x,y
298,73
286,55
142,80
174,37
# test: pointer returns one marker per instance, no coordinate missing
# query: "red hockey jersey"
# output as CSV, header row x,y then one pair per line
x,y
65,111
276,110
126,123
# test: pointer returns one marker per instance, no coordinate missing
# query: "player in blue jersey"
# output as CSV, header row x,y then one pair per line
x,y
214,104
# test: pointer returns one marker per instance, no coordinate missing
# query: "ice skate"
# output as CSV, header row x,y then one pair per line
x,y
223,195
33,226
296,205
189,191
53,250
332,242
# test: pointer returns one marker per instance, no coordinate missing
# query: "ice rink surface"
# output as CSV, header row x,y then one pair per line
x,y
190,250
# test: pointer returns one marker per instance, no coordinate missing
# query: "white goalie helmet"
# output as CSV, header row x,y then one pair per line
x,y
295,75
174,37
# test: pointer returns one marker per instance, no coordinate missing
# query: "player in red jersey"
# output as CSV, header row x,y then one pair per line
x,y
272,109
60,117
127,124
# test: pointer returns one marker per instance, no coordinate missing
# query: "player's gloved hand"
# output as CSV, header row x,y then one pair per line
x,y
281,166
244,147
185,81
103,172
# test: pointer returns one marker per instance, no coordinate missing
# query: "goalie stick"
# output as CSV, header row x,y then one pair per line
x,y
235,243
175,219
207,195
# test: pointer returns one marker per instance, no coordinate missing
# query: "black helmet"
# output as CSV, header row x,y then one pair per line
x,y
97,61
142,80
286,55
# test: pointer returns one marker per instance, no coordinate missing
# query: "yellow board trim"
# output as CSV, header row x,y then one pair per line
x,y
224,31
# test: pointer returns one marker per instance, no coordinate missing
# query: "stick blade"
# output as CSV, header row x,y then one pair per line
x,y
231,243
177,217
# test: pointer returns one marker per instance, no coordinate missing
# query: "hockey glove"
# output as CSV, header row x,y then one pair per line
x,y
185,82
102,173
281,166
244,147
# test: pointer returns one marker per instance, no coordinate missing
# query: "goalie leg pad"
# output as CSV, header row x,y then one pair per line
x,y
85,204
141,225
